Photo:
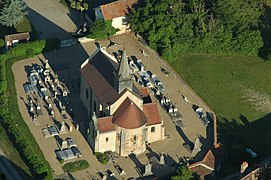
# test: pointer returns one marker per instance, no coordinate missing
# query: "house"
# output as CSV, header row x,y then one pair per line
x,y
210,163
13,39
117,12
120,120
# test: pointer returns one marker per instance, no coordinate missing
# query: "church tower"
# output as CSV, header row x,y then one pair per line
x,y
124,77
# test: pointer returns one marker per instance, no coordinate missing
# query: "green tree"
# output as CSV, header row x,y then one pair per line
x,y
183,174
175,27
13,13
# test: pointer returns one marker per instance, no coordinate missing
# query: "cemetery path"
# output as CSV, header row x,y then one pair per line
x,y
7,168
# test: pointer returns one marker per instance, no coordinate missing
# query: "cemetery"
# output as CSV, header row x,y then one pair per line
x,y
48,98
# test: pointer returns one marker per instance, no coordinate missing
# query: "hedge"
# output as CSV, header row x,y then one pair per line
x,y
75,166
102,158
10,116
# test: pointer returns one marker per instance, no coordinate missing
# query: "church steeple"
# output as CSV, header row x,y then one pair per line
x,y
124,76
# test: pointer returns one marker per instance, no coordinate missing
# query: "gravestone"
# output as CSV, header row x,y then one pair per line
x,y
63,128
148,171
64,145
244,166
162,159
196,148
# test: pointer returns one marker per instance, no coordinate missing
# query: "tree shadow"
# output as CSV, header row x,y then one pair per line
x,y
265,29
15,173
236,137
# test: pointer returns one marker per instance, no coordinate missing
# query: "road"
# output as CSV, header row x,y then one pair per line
x,y
51,19
7,168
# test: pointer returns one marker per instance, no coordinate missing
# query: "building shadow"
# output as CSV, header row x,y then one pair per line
x,y
184,137
135,160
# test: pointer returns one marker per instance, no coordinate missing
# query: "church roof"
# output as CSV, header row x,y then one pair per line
x,y
124,69
152,112
129,116
143,92
98,73
105,124
103,90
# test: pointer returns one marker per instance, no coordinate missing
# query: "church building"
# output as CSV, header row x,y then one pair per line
x,y
121,120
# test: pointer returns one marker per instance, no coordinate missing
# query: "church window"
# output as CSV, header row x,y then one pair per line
x,y
94,106
134,137
152,129
86,93
106,139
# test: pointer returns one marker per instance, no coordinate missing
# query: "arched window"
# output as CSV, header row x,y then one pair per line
x,y
94,106
153,129
134,137
86,93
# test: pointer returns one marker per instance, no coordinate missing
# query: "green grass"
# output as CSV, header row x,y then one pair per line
x,y
75,166
222,82
13,155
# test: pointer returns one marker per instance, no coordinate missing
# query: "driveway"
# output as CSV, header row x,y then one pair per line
x,y
51,19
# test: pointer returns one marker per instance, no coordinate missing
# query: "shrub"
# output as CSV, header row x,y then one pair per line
x,y
102,158
2,43
75,166
52,44
10,116
102,29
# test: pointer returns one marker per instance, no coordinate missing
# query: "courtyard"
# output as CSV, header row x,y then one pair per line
x,y
66,63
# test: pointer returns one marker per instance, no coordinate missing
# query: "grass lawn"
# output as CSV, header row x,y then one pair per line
x,y
75,166
238,90
13,155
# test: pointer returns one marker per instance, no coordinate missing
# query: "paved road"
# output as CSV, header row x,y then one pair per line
x,y
7,168
51,19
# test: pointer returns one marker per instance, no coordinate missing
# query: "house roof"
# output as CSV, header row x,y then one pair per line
x,y
105,124
206,166
103,90
129,116
19,36
117,9
152,112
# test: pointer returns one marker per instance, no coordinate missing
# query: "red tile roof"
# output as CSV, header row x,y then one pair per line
x,y
129,116
144,92
117,8
105,124
206,166
152,112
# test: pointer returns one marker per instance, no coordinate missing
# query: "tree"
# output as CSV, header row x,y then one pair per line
x,y
183,174
175,27
13,13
